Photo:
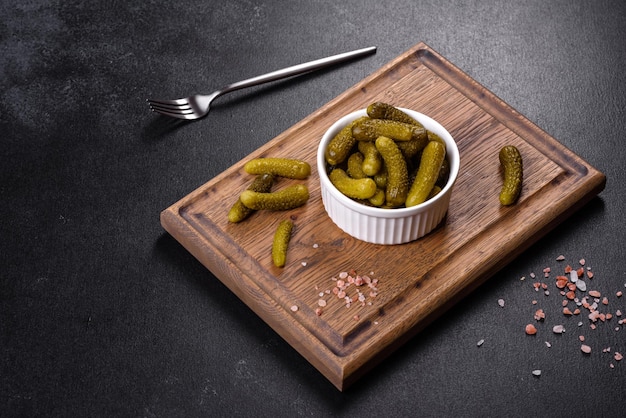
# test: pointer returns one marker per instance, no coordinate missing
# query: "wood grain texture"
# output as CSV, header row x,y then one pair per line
x,y
417,281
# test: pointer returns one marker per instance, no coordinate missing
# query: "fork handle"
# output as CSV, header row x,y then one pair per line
x,y
298,69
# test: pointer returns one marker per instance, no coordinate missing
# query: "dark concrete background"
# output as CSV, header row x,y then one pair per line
x,y
104,314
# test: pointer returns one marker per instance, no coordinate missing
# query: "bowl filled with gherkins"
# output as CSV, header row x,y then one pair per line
x,y
387,173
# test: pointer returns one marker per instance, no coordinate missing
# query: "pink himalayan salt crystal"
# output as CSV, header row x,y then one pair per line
x,y
530,329
585,349
540,315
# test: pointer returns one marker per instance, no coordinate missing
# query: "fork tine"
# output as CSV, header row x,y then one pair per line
x,y
175,108
168,112
170,108
175,102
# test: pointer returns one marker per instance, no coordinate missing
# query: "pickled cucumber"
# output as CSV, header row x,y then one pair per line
x,y
379,198
397,172
363,188
340,145
413,147
282,236
380,178
370,129
372,161
434,192
427,174
285,199
511,161
262,184
434,137
355,166
444,174
380,110
283,167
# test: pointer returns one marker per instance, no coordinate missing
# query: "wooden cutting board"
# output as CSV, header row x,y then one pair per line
x,y
417,281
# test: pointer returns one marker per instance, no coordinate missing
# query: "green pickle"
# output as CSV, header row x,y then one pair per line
x,y
283,167
427,174
397,172
288,198
444,174
380,110
282,236
370,129
434,137
340,145
262,184
355,166
363,188
381,178
434,192
511,161
412,148
378,199
372,161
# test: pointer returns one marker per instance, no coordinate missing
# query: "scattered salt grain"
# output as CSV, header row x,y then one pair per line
x,y
480,342
294,308
501,303
540,315
582,286
530,329
537,372
618,356
585,349
560,258
558,329
315,246
303,264
548,344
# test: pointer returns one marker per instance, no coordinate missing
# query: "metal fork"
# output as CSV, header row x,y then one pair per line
x,y
197,106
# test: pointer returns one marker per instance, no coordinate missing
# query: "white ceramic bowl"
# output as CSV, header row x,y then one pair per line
x,y
386,226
